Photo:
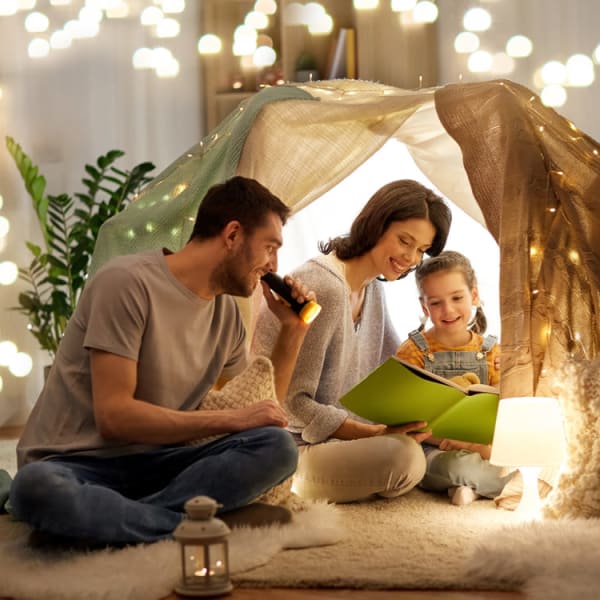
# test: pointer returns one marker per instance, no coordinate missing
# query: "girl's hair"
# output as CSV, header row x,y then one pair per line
x,y
447,261
397,201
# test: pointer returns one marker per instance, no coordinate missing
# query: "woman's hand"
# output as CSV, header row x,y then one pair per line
x,y
351,429
410,429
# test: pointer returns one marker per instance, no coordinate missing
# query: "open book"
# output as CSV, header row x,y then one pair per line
x,y
398,392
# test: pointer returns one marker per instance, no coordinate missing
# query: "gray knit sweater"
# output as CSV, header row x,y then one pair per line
x,y
336,354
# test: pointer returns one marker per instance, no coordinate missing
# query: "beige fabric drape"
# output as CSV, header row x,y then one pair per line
x,y
302,149
529,175
492,148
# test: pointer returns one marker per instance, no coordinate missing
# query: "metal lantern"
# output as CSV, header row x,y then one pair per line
x,y
204,550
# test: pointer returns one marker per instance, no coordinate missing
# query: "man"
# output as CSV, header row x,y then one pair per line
x,y
104,455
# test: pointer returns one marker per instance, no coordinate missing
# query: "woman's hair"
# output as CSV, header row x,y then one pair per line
x,y
397,201
237,199
448,261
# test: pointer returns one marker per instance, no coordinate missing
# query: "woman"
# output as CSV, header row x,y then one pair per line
x,y
345,458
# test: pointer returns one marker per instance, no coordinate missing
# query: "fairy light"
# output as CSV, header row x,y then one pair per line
x,y
209,43
574,257
519,46
466,42
365,4
477,19
425,12
20,364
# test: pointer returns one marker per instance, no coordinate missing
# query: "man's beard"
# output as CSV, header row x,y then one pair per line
x,y
233,276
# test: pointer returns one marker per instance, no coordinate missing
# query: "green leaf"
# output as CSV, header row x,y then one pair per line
x,y
70,224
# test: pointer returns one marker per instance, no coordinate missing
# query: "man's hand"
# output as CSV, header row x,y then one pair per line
x,y
282,311
260,414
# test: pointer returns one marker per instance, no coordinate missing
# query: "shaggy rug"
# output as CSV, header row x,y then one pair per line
x,y
419,541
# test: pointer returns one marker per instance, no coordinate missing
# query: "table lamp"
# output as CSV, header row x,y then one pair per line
x,y
529,435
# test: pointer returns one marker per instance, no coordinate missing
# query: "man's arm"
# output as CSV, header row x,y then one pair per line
x,y
121,416
291,335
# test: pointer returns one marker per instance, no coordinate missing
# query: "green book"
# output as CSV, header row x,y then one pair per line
x,y
398,392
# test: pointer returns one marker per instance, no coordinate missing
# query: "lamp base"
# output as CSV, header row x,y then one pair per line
x,y
529,508
201,591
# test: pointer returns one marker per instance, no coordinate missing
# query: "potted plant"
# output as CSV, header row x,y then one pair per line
x,y
69,225
306,68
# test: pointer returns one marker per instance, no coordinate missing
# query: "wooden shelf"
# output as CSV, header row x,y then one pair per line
x,y
386,50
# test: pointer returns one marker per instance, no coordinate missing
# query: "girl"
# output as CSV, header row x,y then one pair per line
x,y
453,346
343,457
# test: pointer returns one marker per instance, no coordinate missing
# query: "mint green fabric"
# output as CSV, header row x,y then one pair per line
x,y
163,215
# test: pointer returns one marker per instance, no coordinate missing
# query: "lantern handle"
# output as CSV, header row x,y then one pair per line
x,y
201,507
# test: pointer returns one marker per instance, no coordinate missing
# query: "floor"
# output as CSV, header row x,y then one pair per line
x,y
334,594
341,594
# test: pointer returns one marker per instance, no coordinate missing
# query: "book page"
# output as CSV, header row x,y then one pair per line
x,y
472,419
431,376
477,388
396,393
474,388
393,394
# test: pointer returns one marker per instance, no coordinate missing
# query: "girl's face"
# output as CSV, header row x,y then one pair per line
x,y
402,247
448,301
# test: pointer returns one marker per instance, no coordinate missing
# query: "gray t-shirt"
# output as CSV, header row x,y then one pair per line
x,y
134,307
336,353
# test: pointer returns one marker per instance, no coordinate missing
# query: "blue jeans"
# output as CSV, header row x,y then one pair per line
x,y
139,497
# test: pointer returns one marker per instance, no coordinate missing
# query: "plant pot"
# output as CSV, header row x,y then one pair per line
x,y
307,75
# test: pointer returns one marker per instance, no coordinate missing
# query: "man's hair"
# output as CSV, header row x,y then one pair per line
x,y
397,201
237,199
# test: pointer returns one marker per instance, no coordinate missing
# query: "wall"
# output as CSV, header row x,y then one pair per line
x,y
558,29
65,110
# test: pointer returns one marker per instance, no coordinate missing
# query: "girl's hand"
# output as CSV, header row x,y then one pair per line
x,y
483,450
497,363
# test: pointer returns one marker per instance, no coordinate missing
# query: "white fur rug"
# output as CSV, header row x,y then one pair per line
x,y
547,560
142,572
419,541
152,570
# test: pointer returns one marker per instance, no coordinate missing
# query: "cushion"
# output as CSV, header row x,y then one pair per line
x,y
255,384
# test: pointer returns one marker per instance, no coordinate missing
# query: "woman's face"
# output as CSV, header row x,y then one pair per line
x,y
402,247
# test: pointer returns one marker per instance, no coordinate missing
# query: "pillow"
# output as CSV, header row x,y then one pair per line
x,y
254,384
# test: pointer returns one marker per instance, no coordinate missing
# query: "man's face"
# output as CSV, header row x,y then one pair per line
x,y
253,256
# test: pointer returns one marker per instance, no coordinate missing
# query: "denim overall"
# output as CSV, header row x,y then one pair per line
x,y
448,363
446,469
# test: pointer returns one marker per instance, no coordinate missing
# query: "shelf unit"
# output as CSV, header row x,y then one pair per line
x,y
387,50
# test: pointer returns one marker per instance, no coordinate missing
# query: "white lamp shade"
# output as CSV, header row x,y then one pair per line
x,y
529,432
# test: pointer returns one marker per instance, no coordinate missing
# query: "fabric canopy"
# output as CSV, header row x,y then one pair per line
x,y
526,173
